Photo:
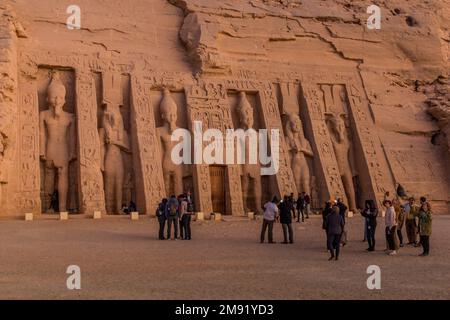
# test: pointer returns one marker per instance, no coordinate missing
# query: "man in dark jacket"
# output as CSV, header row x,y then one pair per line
x,y
285,209
301,206
325,212
161,215
172,215
370,213
334,225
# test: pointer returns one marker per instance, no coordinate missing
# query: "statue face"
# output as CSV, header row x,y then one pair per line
x,y
338,128
56,99
170,116
247,117
296,124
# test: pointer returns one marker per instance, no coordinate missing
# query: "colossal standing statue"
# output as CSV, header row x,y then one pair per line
x,y
57,140
342,150
299,148
113,140
171,171
250,173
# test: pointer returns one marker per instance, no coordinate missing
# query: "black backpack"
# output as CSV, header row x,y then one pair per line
x,y
160,210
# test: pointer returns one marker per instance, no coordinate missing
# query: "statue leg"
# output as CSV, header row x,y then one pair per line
x,y
257,194
178,183
245,190
118,185
167,183
63,187
350,191
305,181
109,191
49,184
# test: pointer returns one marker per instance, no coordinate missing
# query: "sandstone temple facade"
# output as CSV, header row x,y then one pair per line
x,y
89,112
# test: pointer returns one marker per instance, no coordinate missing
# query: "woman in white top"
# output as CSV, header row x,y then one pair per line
x,y
270,214
391,226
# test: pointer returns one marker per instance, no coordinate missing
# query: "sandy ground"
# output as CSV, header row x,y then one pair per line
x,y
122,259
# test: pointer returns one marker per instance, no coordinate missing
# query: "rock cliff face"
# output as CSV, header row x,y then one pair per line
x,y
316,59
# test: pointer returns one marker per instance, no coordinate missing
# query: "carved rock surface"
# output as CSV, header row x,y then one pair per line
x,y
310,57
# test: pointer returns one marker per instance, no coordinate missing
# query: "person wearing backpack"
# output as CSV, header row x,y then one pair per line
x,y
172,216
161,215
185,218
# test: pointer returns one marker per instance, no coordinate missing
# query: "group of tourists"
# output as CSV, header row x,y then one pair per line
x,y
285,211
417,220
176,212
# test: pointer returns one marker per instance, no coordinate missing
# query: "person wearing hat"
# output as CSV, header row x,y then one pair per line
x,y
411,212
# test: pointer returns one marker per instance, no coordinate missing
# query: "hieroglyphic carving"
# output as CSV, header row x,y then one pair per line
x,y
114,141
147,162
370,143
91,182
28,196
207,103
322,145
8,108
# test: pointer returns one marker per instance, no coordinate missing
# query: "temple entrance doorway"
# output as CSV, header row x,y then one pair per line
x,y
218,176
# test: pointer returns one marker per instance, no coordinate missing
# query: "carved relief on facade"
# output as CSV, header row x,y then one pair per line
x,y
89,152
147,163
173,173
28,187
373,165
115,144
207,102
57,146
328,175
250,173
300,150
270,119
339,125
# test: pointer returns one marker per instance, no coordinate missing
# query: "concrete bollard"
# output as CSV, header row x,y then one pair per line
x,y
134,216
28,217
251,215
63,216
350,214
97,215
200,216
217,217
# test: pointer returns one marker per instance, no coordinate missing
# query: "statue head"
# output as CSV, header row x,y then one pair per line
x,y
337,126
245,111
168,109
294,123
56,94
